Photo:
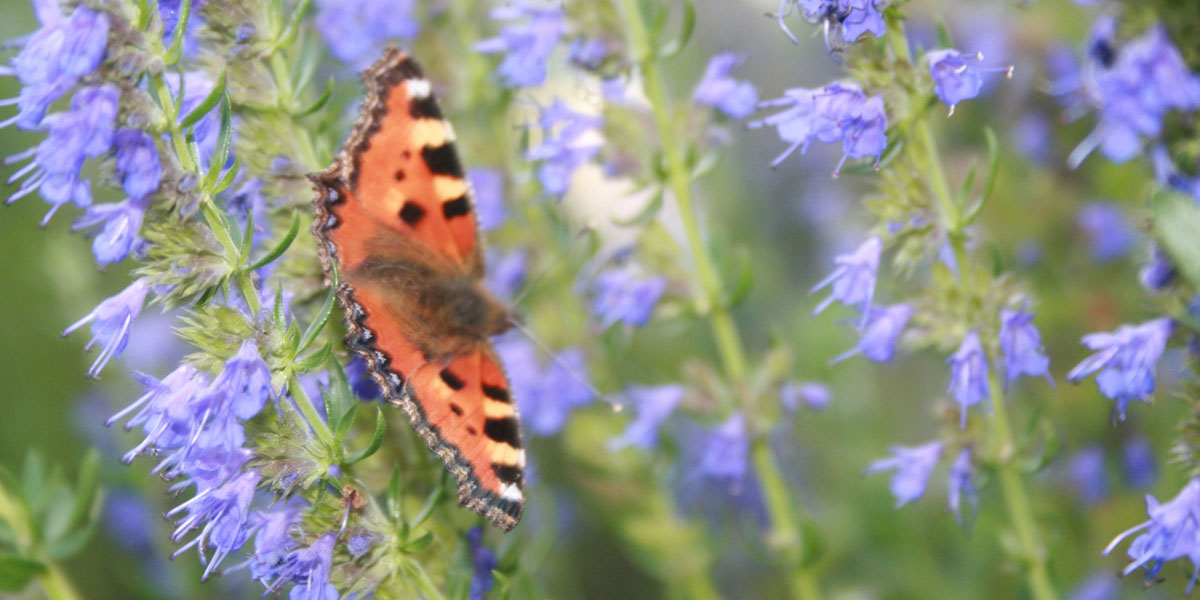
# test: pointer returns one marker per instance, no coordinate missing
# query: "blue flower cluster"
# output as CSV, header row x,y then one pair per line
x,y
838,112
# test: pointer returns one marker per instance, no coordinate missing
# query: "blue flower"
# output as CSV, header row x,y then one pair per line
x,y
483,560
1159,272
487,186
653,405
137,163
912,465
1171,532
1102,585
1132,88
1125,360
359,544
356,30
1137,463
960,485
110,322
545,395
853,280
968,374
54,57
1105,225
853,17
86,130
619,296
245,382
725,452
221,515
122,222
361,382
955,77
527,45
309,569
272,541
569,139
587,53
878,340
814,395
1086,472
837,112
1022,346
732,97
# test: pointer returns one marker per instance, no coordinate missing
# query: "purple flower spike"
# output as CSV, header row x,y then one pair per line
x,y
960,485
1172,532
912,465
137,163
526,45
1125,360
110,321
956,76
737,99
968,374
878,341
547,395
221,514
122,222
853,17
1022,345
653,405
309,569
618,296
853,280
54,57
272,541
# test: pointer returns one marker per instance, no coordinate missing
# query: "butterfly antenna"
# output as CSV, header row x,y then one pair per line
x,y
558,260
615,406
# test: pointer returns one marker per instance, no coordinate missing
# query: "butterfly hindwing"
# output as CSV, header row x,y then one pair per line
x,y
394,214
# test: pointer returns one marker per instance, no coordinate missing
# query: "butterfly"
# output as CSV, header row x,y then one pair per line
x,y
394,214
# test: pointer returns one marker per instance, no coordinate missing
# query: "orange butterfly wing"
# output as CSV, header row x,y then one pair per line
x,y
395,201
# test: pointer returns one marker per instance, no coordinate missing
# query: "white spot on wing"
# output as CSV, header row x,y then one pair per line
x,y
512,493
419,88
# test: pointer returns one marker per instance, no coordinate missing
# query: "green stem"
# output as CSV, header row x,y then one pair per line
x,y
13,513
56,585
781,508
1016,499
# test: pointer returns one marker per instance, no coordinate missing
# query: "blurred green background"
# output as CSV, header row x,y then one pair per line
x,y
793,219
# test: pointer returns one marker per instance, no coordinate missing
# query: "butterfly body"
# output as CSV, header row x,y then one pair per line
x,y
395,215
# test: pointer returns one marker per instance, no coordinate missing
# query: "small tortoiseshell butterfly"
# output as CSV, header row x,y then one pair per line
x,y
395,214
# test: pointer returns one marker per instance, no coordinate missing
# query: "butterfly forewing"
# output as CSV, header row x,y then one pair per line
x,y
394,213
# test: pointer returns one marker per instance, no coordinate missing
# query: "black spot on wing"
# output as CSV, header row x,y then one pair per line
x,y
442,160
412,213
456,409
457,207
508,473
496,393
400,175
452,380
505,430
425,108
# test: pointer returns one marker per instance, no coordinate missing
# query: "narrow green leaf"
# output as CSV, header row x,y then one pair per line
x,y
206,105
70,544
993,163
1176,219
247,236
319,104
376,439
943,35
280,320
177,35
431,502
85,488
16,572
420,543
288,35
964,192
687,26
319,320
143,14
224,142
743,277
228,178
316,359
395,496
343,406
279,248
